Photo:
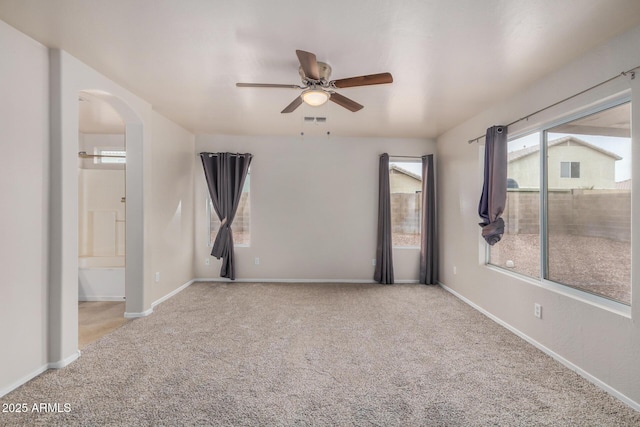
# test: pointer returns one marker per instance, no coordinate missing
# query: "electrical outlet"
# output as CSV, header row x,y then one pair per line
x,y
157,276
373,261
537,310
455,270
256,261
207,261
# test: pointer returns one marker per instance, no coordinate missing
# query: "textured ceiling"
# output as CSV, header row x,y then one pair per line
x,y
449,59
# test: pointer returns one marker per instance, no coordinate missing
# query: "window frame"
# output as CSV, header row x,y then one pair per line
x,y
575,293
573,167
418,161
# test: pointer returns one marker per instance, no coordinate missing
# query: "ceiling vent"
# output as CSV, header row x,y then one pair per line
x,y
316,120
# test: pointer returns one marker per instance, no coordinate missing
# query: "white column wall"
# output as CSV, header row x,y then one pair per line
x,y
24,219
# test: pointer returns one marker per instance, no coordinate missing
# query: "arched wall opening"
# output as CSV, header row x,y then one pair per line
x,y
69,78
134,259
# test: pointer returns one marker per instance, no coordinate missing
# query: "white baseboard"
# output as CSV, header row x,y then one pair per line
x,y
615,393
23,380
52,365
172,293
64,362
135,315
99,298
220,279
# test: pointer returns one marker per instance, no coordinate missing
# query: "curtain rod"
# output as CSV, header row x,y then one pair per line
x,y
216,154
624,73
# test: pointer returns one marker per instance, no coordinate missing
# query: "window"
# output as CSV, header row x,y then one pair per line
x,y
569,169
519,249
242,221
405,181
583,237
111,157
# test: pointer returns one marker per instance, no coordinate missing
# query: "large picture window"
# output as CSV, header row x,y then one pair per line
x,y
583,237
241,223
405,181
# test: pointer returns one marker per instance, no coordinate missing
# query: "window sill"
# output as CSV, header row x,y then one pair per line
x,y
594,300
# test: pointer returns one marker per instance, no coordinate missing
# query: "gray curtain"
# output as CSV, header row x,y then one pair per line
x,y
225,174
428,235
494,190
384,256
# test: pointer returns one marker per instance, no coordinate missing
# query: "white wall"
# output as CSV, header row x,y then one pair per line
x,y
171,214
602,344
313,207
24,173
39,245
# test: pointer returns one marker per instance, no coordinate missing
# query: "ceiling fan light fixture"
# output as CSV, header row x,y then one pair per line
x,y
315,97
318,89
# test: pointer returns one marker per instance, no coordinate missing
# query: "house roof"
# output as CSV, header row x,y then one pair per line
x,y
406,172
518,154
623,185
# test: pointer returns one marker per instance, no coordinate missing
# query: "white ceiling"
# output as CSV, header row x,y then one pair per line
x,y
450,59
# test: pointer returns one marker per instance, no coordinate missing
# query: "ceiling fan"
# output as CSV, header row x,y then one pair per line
x,y
318,89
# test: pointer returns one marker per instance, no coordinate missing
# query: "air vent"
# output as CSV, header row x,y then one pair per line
x,y
308,119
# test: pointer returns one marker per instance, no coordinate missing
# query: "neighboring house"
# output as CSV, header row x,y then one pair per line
x,y
403,181
572,163
624,185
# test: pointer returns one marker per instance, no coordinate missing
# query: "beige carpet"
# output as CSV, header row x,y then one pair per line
x,y
249,354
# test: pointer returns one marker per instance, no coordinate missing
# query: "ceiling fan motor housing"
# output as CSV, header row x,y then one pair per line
x,y
324,71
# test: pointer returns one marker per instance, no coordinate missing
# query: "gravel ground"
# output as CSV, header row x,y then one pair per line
x,y
239,237
593,264
400,239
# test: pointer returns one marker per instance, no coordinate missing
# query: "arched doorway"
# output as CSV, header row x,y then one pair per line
x,y
101,219
69,78
134,222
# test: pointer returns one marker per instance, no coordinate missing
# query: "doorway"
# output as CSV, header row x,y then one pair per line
x,y
101,219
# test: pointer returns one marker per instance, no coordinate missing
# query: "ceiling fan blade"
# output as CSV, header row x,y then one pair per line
x,y
309,64
371,79
345,102
295,104
268,85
